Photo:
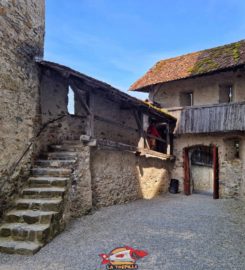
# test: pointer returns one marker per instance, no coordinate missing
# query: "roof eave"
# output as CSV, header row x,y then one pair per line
x,y
145,88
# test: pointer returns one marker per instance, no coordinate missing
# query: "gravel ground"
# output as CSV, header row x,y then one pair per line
x,y
179,232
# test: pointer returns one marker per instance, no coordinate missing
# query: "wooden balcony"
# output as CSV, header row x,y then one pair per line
x,y
226,117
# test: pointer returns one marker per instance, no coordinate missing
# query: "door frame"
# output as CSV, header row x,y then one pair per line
x,y
187,178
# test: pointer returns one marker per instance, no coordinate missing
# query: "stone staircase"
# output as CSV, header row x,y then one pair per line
x,y
38,214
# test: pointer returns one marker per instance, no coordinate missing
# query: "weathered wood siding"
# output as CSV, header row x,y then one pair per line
x,y
214,118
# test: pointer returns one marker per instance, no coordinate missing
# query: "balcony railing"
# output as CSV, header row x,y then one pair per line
x,y
225,117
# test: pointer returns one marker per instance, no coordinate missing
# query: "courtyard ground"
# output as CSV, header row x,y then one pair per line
x,y
178,232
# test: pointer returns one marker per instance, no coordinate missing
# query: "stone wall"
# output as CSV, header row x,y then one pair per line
x,y
111,110
231,170
81,189
54,100
21,35
120,176
205,89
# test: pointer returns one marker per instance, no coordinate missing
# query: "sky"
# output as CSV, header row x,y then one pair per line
x,y
117,41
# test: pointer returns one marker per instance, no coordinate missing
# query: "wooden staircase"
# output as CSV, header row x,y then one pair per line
x,y
38,214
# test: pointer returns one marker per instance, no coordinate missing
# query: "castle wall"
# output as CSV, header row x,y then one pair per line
x,y
22,39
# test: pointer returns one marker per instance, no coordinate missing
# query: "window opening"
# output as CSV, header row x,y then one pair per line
x,y
202,156
71,101
232,149
225,94
237,149
186,99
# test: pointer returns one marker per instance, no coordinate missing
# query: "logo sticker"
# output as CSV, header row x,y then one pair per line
x,y
122,258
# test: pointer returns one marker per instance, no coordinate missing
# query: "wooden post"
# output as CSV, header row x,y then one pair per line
x,y
215,173
141,143
91,115
187,184
168,141
139,121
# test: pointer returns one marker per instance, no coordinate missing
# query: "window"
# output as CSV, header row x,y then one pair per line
x,y
202,156
232,147
186,99
237,149
71,101
225,93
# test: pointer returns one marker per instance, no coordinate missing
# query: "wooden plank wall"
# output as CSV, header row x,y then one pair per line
x,y
216,118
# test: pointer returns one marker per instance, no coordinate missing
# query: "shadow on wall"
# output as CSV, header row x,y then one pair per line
x,y
119,177
153,176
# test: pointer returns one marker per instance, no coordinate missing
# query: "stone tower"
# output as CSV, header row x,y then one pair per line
x,y
22,40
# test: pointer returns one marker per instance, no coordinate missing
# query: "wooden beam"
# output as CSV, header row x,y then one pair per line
x,y
153,153
156,138
83,103
77,91
112,145
139,122
168,141
91,116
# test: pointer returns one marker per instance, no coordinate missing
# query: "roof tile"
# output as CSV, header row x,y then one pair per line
x,y
193,64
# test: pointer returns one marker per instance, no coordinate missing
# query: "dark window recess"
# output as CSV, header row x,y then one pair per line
x,y
232,148
237,149
186,99
225,93
202,156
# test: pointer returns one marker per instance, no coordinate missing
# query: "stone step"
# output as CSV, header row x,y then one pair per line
x,y
61,155
39,204
43,192
8,245
29,216
25,232
47,181
54,163
51,171
66,147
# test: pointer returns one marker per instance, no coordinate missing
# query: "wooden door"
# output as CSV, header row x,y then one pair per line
x,y
187,180
215,173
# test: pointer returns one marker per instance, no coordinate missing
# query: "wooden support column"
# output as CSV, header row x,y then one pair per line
x,y
141,143
90,130
168,141
139,120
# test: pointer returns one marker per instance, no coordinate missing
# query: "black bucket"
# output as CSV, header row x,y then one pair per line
x,y
174,186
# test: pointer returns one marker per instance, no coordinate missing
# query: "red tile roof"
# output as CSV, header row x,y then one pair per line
x,y
193,64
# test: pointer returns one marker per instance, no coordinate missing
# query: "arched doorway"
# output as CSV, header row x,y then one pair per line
x,y
201,170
